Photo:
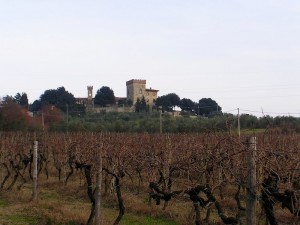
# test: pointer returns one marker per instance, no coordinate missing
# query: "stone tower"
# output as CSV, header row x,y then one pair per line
x,y
135,89
90,96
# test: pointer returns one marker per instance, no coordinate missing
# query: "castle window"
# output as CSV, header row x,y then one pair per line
x,y
140,91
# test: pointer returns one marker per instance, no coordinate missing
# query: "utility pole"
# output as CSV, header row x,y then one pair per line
x,y
239,126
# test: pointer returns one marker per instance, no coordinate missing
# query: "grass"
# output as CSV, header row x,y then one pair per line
x,y
3,203
67,205
145,220
21,219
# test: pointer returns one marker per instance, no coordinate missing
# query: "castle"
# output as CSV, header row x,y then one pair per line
x,y
136,89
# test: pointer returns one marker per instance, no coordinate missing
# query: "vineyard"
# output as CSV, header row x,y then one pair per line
x,y
212,178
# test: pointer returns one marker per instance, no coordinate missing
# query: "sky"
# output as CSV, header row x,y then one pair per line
x,y
242,54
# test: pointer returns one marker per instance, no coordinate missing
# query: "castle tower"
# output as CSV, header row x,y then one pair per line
x,y
135,89
90,96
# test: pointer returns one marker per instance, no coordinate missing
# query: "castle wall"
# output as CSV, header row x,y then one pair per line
x,y
110,109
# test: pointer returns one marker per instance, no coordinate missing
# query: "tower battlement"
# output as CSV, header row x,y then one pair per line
x,y
135,81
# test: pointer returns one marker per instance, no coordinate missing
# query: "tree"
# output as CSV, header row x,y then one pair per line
x,y
105,96
140,105
207,106
64,98
59,98
17,98
49,97
35,106
168,102
129,102
24,100
13,117
7,99
125,102
137,105
122,101
173,99
187,104
51,114
163,102
248,121
20,99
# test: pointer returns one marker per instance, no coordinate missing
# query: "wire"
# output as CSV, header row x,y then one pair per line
x,y
263,112
229,111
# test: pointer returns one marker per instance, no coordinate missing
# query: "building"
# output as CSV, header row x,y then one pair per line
x,y
136,89
89,101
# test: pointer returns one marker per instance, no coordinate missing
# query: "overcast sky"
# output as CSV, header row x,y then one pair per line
x,y
242,54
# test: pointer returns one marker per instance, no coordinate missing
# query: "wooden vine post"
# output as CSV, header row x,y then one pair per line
x,y
251,182
2,160
34,175
197,213
98,190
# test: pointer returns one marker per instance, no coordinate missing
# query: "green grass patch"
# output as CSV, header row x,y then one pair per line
x,y
145,220
21,219
49,222
49,196
3,203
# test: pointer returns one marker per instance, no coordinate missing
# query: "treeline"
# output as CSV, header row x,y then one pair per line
x,y
57,110
63,100
13,118
169,123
